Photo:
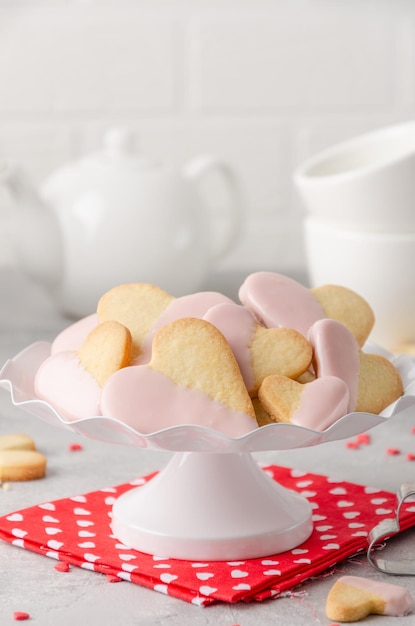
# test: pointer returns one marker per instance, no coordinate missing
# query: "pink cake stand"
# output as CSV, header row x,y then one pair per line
x,y
212,501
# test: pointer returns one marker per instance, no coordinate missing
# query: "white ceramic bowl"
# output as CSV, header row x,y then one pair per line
x,y
366,183
378,266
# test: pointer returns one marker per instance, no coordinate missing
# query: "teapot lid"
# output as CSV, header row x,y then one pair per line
x,y
119,150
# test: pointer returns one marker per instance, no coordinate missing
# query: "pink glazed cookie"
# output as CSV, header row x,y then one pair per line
x,y
192,378
71,381
316,405
192,305
353,598
336,353
73,336
278,301
260,351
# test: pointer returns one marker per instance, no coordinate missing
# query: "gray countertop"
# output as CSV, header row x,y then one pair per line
x,y
28,582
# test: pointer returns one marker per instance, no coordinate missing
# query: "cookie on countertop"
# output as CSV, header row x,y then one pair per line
x,y
353,598
17,441
20,465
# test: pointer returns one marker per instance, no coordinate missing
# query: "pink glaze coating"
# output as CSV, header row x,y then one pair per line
x,y
149,401
398,601
68,387
278,301
323,401
193,305
336,353
72,337
237,325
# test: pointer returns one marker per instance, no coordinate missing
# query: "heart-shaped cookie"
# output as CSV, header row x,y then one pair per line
x,y
106,349
260,351
136,306
17,465
19,459
279,301
192,378
336,353
315,405
353,598
379,383
276,300
16,441
348,307
72,381
192,305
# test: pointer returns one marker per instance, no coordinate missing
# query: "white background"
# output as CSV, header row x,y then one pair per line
x,y
261,83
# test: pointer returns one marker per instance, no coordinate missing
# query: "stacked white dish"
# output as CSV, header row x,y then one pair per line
x,y
359,227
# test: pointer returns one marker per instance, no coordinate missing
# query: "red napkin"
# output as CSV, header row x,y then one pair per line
x,y
77,531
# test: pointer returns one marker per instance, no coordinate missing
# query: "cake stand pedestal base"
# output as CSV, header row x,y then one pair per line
x,y
211,506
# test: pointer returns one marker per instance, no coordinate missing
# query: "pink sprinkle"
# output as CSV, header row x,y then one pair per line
x,y
62,567
393,451
112,578
410,456
363,438
413,430
19,616
73,447
353,445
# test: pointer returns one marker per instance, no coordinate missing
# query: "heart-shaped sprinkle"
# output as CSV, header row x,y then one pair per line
x,y
112,578
62,567
20,616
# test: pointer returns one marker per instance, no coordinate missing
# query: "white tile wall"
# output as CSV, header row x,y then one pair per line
x,y
260,83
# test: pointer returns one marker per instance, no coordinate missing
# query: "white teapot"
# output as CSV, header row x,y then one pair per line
x,y
117,217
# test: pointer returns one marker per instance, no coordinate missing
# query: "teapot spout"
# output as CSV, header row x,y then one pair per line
x,y
36,233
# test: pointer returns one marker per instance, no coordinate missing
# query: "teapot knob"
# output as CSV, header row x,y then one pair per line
x,y
119,141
